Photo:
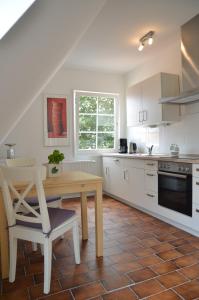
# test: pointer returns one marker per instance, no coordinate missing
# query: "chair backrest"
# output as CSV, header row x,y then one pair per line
x,y
13,179
21,162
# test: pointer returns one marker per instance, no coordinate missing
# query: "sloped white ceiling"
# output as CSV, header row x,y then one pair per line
x,y
35,48
110,44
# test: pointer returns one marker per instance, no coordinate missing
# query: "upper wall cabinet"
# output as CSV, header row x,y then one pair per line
x,y
143,107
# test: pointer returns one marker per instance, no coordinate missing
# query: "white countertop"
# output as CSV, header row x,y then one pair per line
x,y
158,157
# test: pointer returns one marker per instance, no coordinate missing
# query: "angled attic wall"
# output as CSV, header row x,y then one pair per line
x,y
35,48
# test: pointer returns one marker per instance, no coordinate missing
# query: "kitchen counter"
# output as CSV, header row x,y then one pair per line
x,y
192,159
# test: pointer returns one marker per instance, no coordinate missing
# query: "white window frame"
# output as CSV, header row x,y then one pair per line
x,y
76,97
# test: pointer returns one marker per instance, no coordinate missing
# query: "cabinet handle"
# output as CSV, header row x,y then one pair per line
x,y
150,174
144,115
197,169
150,195
125,174
115,159
150,164
197,183
139,116
197,210
106,170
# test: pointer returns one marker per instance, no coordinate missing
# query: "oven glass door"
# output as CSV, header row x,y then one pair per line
x,y
175,192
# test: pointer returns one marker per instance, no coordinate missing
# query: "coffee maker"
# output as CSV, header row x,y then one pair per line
x,y
123,148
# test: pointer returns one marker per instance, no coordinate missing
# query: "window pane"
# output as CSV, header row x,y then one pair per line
x,y
105,141
105,123
87,104
87,123
87,141
106,105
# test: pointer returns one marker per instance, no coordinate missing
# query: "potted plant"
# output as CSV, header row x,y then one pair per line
x,y
54,160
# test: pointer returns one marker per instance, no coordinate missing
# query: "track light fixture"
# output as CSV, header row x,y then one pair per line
x,y
146,38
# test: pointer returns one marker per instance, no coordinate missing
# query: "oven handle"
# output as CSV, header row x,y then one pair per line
x,y
172,175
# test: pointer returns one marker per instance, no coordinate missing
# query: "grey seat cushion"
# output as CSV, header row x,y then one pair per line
x,y
57,217
33,201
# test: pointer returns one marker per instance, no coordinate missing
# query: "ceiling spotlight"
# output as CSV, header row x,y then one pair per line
x,y
141,47
146,38
150,40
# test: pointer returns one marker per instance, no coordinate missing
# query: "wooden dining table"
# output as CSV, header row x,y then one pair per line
x,y
67,182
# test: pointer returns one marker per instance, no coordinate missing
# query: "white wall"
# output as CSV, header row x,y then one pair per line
x,y
28,134
185,132
35,48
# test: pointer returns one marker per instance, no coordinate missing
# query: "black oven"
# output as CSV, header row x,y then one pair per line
x,y
175,187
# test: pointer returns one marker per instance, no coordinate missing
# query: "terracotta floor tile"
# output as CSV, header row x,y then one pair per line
x,y
171,279
87,291
166,237
21,294
167,295
115,282
65,295
163,247
36,291
68,282
20,283
123,294
189,290
149,260
127,267
164,267
147,288
191,272
178,242
185,261
150,242
141,275
186,249
123,257
170,254
142,252
99,262
102,273
74,270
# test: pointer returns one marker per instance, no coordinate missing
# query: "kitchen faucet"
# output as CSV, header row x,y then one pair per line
x,y
150,149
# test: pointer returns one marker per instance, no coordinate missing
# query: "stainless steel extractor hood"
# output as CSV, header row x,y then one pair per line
x,y
190,63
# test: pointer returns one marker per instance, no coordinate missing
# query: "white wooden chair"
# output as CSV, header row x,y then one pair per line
x,y
52,201
41,225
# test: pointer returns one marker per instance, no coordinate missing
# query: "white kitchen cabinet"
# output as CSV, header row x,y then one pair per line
x,y
134,192
115,176
134,105
143,107
124,178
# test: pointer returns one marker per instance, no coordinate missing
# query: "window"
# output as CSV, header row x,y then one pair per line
x,y
95,121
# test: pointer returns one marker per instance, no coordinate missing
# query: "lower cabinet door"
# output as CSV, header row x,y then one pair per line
x,y
135,188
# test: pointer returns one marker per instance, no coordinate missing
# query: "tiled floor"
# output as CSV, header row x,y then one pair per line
x,y
144,258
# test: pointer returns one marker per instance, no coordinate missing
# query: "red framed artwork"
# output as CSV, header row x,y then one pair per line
x,y
56,123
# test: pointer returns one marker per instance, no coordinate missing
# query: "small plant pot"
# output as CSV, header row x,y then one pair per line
x,y
54,170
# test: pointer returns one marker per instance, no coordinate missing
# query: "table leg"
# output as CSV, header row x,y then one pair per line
x,y
84,216
99,220
4,240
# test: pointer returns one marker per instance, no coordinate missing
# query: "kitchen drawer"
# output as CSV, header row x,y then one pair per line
x,y
151,181
195,186
151,165
151,200
196,170
133,163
